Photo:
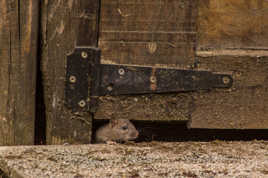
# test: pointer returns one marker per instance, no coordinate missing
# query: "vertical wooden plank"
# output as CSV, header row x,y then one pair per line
x,y
88,25
65,25
6,125
18,54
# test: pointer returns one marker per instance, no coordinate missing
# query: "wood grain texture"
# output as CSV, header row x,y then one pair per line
x,y
161,33
18,55
146,107
232,38
245,105
233,24
148,32
61,32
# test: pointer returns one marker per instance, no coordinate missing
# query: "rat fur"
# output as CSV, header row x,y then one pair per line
x,y
117,130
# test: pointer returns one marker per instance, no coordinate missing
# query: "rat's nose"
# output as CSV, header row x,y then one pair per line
x,y
134,134
137,134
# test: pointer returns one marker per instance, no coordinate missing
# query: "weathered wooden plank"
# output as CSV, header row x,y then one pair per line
x,y
235,33
148,32
65,24
233,24
18,54
149,53
149,15
147,107
145,32
245,105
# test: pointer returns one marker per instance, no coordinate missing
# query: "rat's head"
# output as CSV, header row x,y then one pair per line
x,y
124,129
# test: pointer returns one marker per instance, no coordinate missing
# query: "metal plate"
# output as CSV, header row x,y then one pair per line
x,y
124,79
79,65
86,77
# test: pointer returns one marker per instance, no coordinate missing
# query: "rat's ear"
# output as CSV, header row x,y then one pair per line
x,y
113,122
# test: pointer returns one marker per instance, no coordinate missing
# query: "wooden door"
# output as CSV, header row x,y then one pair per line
x,y
220,36
161,33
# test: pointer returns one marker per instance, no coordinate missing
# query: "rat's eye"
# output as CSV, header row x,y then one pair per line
x,y
124,127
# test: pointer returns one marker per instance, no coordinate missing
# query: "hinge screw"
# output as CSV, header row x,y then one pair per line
x,y
72,79
121,71
110,88
82,103
226,80
84,54
153,79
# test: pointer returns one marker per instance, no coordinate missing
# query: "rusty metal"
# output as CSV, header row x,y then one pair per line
x,y
86,77
142,80
78,72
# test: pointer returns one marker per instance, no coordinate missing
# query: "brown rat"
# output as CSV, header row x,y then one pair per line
x,y
118,130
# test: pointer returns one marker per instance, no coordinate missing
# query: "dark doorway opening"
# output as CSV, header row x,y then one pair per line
x,y
177,131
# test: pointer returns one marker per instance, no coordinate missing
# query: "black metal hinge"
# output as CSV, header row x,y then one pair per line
x,y
86,78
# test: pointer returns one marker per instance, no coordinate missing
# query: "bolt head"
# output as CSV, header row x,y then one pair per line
x,y
109,88
153,79
82,103
121,71
84,54
72,79
226,80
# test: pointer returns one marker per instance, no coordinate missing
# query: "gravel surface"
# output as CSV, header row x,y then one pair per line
x,y
154,159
